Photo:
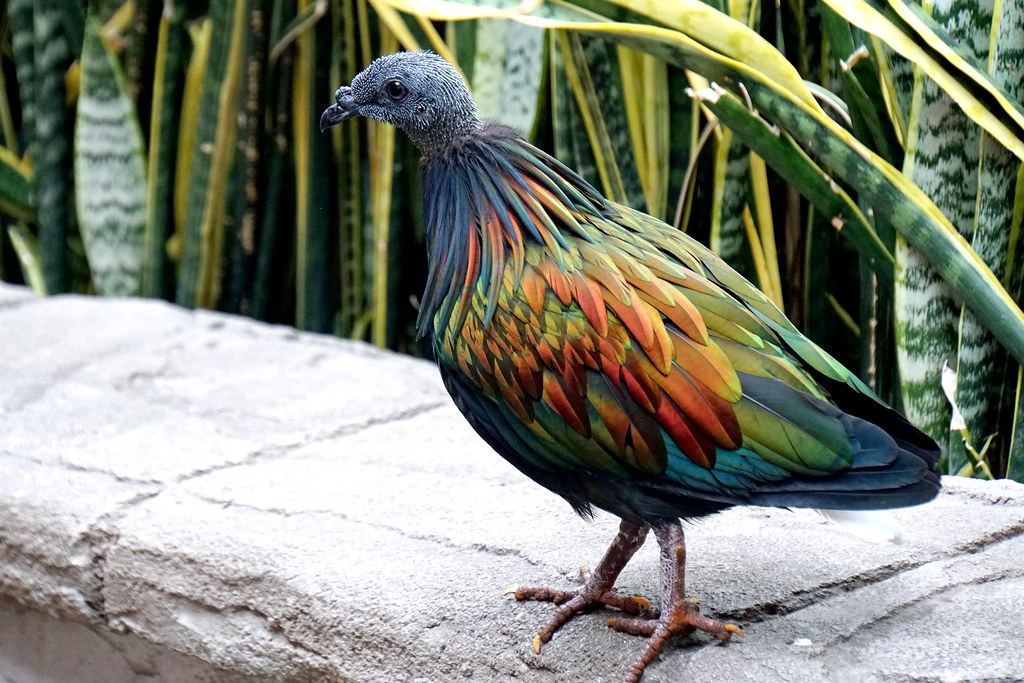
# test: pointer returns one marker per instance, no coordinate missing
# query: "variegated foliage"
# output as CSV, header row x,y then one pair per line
x,y
840,200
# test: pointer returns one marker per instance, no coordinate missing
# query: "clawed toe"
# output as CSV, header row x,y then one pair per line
x,y
679,616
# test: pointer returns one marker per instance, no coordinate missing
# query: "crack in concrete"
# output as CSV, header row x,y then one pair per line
x,y
100,536
274,452
806,597
76,467
24,458
973,581
274,625
397,416
443,541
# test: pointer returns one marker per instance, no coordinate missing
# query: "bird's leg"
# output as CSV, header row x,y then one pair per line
x,y
678,615
597,588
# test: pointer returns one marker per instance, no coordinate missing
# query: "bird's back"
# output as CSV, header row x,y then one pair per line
x,y
621,364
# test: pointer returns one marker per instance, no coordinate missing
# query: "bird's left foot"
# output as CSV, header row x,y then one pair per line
x,y
597,588
572,602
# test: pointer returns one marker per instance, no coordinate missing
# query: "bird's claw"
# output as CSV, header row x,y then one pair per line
x,y
733,628
572,602
681,620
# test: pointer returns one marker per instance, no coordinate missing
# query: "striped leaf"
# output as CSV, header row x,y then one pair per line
x,y
488,66
589,70
1002,202
347,144
730,195
507,72
916,36
1015,462
314,303
942,159
110,181
200,34
569,132
645,90
43,55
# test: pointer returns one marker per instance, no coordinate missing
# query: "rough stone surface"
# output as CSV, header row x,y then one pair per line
x,y
191,496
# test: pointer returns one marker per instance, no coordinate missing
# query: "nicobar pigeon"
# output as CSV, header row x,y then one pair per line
x,y
618,362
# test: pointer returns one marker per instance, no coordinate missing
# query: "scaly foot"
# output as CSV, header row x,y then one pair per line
x,y
572,602
679,616
680,620
597,588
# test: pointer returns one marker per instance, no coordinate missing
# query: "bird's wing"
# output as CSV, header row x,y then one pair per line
x,y
626,348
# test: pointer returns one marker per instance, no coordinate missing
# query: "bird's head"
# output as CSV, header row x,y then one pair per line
x,y
418,92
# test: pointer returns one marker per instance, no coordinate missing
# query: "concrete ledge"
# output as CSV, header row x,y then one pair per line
x,y
191,496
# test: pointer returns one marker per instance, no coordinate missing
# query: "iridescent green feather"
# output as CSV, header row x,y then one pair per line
x,y
613,344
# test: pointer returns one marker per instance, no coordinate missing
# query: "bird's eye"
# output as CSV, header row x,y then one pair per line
x,y
395,90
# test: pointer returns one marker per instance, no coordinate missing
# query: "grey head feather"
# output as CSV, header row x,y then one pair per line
x,y
417,92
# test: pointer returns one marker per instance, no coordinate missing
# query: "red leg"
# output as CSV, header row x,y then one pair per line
x,y
678,615
598,587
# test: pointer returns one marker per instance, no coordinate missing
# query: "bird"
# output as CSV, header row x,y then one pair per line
x,y
617,361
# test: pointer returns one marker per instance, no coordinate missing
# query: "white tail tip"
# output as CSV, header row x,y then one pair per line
x,y
877,526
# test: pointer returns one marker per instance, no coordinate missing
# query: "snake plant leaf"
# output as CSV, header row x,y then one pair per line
x,y
943,155
110,180
212,153
567,126
508,73
1015,464
26,246
726,36
314,308
904,27
15,187
892,196
645,92
42,57
588,68
167,85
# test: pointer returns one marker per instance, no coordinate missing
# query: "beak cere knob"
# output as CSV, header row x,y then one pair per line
x,y
344,108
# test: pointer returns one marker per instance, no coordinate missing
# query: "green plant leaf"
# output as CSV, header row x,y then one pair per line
x,y
163,135
912,33
15,187
212,153
110,181
27,248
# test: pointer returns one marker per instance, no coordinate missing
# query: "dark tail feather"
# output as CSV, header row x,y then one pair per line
x,y
908,437
905,496
892,465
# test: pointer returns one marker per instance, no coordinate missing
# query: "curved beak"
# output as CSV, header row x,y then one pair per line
x,y
344,108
